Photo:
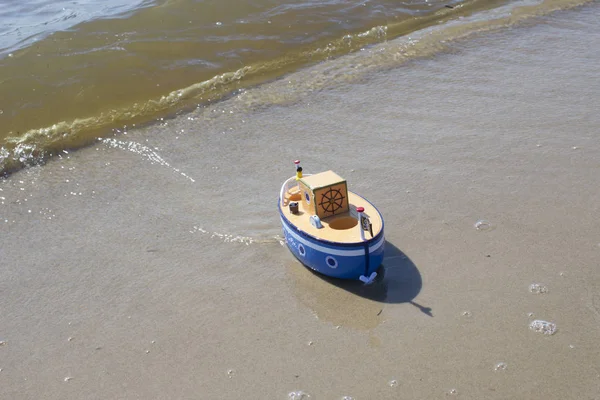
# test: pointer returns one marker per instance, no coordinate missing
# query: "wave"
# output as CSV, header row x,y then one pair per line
x,y
388,46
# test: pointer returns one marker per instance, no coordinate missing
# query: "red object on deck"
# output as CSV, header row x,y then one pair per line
x,y
297,162
360,209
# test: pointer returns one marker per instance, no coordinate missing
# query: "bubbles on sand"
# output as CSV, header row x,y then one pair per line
x,y
483,225
393,383
538,288
501,366
544,327
230,373
452,392
298,395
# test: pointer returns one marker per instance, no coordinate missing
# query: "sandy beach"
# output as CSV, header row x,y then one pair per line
x,y
150,265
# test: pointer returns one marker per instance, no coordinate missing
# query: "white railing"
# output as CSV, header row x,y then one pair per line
x,y
287,185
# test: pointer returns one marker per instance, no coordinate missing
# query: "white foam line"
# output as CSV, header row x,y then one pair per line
x,y
146,152
228,238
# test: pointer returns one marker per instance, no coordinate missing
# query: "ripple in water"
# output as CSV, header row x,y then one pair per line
x,y
544,327
538,288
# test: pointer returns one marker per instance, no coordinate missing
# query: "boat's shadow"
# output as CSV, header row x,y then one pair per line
x,y
398,281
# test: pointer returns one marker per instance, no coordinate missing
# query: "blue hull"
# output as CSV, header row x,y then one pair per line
x,y
338,260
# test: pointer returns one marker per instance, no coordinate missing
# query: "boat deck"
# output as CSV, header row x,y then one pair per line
x,y
341,228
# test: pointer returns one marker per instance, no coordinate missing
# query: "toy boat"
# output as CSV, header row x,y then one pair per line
x,y
329,229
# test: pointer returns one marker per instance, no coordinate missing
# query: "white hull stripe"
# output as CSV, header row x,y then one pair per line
x,y
377,245
329,250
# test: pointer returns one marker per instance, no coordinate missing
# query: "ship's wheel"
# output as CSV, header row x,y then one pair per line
x,y
332,200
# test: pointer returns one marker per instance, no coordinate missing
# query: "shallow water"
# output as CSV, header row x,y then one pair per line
x,y
150,265
91,69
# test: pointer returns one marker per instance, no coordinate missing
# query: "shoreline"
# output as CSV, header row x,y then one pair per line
x,y
151,266
37,145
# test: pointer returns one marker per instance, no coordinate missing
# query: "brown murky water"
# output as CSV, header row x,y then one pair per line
x,y
154,59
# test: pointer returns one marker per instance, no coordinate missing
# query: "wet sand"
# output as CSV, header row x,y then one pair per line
x,y
150,266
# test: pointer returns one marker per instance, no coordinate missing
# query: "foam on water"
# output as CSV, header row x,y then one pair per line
x,y
230,238
544,327
298,395
144,151
483,225
501,366
538,288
